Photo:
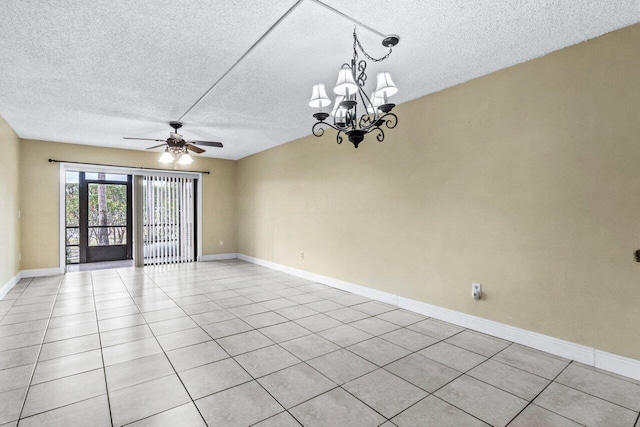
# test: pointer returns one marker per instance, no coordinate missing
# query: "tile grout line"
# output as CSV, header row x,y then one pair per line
x,y
44,335
541,391
161,348
104,367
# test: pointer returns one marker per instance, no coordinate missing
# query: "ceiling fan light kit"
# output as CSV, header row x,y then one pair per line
x,y
177,148
375,110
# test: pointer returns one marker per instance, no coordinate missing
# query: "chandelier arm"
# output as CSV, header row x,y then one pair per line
x,y
319,131
390,120
339,137
380,135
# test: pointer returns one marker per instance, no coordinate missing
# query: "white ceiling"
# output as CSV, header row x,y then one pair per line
x,y
90,72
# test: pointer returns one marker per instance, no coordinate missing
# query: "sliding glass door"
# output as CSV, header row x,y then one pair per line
x,y
169,219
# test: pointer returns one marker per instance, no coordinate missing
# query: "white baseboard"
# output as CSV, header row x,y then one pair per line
x,y
217,257
4,290
41,272
587,355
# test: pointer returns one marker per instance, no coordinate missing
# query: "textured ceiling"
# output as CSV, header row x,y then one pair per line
x,y
90,72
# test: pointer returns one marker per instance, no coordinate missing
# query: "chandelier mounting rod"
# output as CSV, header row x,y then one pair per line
x,y
266,33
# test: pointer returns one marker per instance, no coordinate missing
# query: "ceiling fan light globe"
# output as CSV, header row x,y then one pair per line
x,y
185,159
166,157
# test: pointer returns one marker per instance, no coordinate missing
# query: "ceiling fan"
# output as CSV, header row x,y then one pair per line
x,y
177,147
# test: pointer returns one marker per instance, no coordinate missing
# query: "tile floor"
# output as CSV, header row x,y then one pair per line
x,y
234,344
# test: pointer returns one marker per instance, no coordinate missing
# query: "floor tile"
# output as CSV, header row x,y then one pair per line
x,y
196,355
112,313
247,310
478,343
534,415
350,299
11,404
309,346
21,340
494,406
201,307
345,335
226,328
64,391
74,319
336,408
374,326
120,322
318,322
385,392
323,306
533,361
70,346
262,320
411,340
283,419
149,398
13,378
69,365
244,342
515,381
284,332
436,329
240,406
401,317
378,351
342,366
601,385
121,336
214,377
266,360
347,315
130,351
296,312
373,308
24,327
583,408
174,325
166,314
90,412
433,412
137,371
296,384
304,298
452,356
210,317
184,338
277,304
423,372
186,415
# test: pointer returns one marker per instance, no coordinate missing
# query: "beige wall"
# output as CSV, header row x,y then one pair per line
x,y
9,204
40,194
526,180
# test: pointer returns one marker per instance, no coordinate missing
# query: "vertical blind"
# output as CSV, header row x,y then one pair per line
x,y
168,211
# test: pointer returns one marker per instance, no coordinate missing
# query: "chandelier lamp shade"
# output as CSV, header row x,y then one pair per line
x,y
354,113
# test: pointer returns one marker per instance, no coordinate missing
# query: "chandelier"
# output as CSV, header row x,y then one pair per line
x,y
355,114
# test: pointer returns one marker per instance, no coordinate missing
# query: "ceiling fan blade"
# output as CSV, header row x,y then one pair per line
x,y
208,143
194,148
143,139
156,146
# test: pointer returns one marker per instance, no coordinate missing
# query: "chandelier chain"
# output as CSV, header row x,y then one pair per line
x,y
356,41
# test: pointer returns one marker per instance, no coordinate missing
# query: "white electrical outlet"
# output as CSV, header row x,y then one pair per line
x,y
221,242
476,290
301,255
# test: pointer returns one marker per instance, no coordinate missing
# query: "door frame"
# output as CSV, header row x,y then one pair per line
x,y
73,167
